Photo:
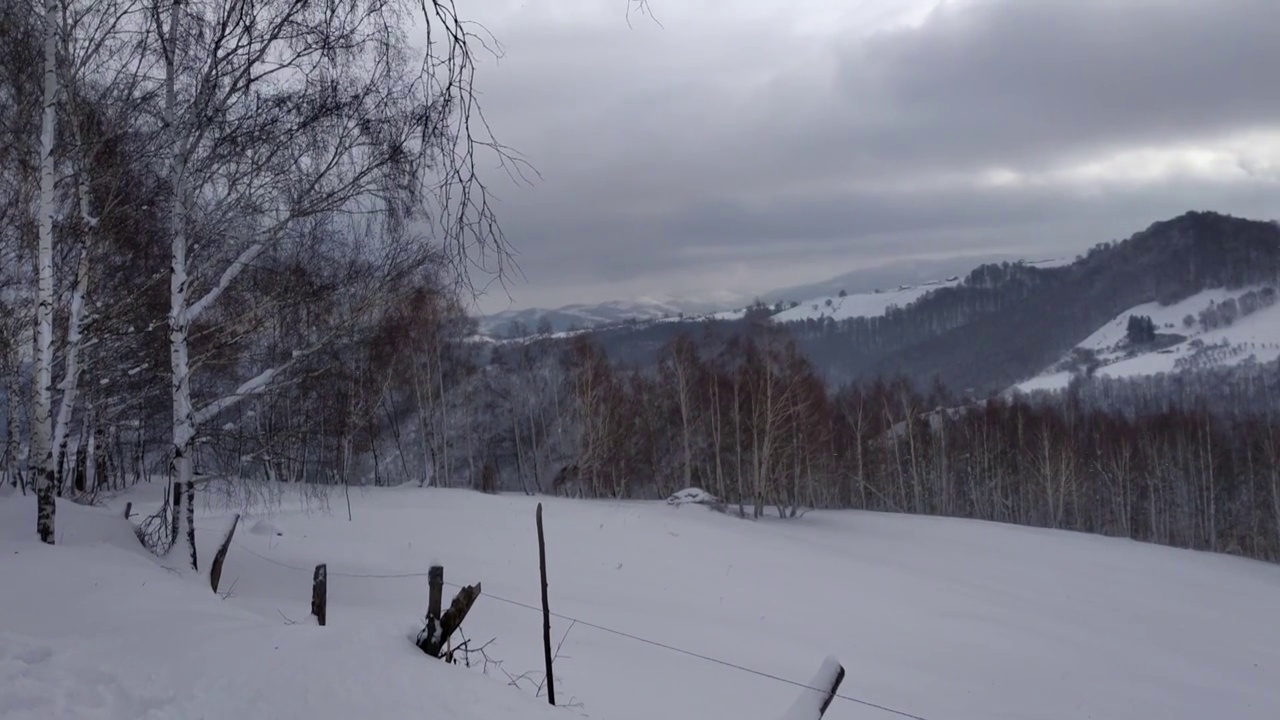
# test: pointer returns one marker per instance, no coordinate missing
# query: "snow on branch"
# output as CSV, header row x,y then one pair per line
x,y
254,386
228,276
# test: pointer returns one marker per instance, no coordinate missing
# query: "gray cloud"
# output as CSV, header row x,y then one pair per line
x,y
731,148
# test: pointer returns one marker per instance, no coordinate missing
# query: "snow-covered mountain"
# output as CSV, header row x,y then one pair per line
x,y
510,323
861,293
913,272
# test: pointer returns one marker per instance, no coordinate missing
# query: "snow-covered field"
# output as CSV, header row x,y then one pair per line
x,y
944,619
1255,335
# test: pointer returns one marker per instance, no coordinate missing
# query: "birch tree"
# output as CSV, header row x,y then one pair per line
x,y
681,366
42,371
285,111
101,64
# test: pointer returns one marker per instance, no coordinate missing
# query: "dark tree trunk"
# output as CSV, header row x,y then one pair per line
x,y
46,504
191,523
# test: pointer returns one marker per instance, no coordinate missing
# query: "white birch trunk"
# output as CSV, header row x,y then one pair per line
x,y
183,470
42,405
91,454
11,414
71,374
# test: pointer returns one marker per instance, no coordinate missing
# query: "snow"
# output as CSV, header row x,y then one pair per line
x,y
1048,381
265,527
947,619
692,496
1256,335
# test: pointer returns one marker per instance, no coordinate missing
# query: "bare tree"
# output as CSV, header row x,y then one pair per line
x,y
279,114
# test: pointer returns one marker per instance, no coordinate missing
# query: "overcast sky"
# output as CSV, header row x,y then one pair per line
x,y
744,145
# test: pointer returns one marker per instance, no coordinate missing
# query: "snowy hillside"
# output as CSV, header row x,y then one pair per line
x,y
843,306
860,305
943,619
910,271
1188,345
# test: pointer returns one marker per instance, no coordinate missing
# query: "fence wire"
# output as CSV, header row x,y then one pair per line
x,y
601,628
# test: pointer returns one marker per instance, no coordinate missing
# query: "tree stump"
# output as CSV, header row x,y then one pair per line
x,y
215,571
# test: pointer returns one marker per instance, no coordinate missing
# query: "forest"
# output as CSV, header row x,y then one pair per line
x,y
1186,460
204,204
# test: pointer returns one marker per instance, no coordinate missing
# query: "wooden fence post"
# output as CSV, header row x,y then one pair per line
x,y
320,593
439,627
435,590
546,610
816,698
435,596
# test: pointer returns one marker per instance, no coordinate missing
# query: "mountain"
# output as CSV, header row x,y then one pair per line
x,y
915,271
881,279
1001,323
516,323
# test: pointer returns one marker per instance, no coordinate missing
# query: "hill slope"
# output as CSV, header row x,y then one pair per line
x,y
95,628
946,619
1185,341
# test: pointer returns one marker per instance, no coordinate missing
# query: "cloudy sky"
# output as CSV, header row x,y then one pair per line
x,y
743,145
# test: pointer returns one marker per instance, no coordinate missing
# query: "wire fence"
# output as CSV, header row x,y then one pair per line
x,y
601,628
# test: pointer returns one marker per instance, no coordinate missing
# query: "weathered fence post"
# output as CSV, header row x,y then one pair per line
x,y
128,510
435,596
320,593
817,696
546,610
215,571
435,590
439,627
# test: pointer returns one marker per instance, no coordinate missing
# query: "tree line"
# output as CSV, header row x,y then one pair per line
x,y
1174,460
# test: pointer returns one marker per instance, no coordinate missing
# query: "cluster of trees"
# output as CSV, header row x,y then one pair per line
x,y
214,219
1243,390
1225,313
1141,330
1184,460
